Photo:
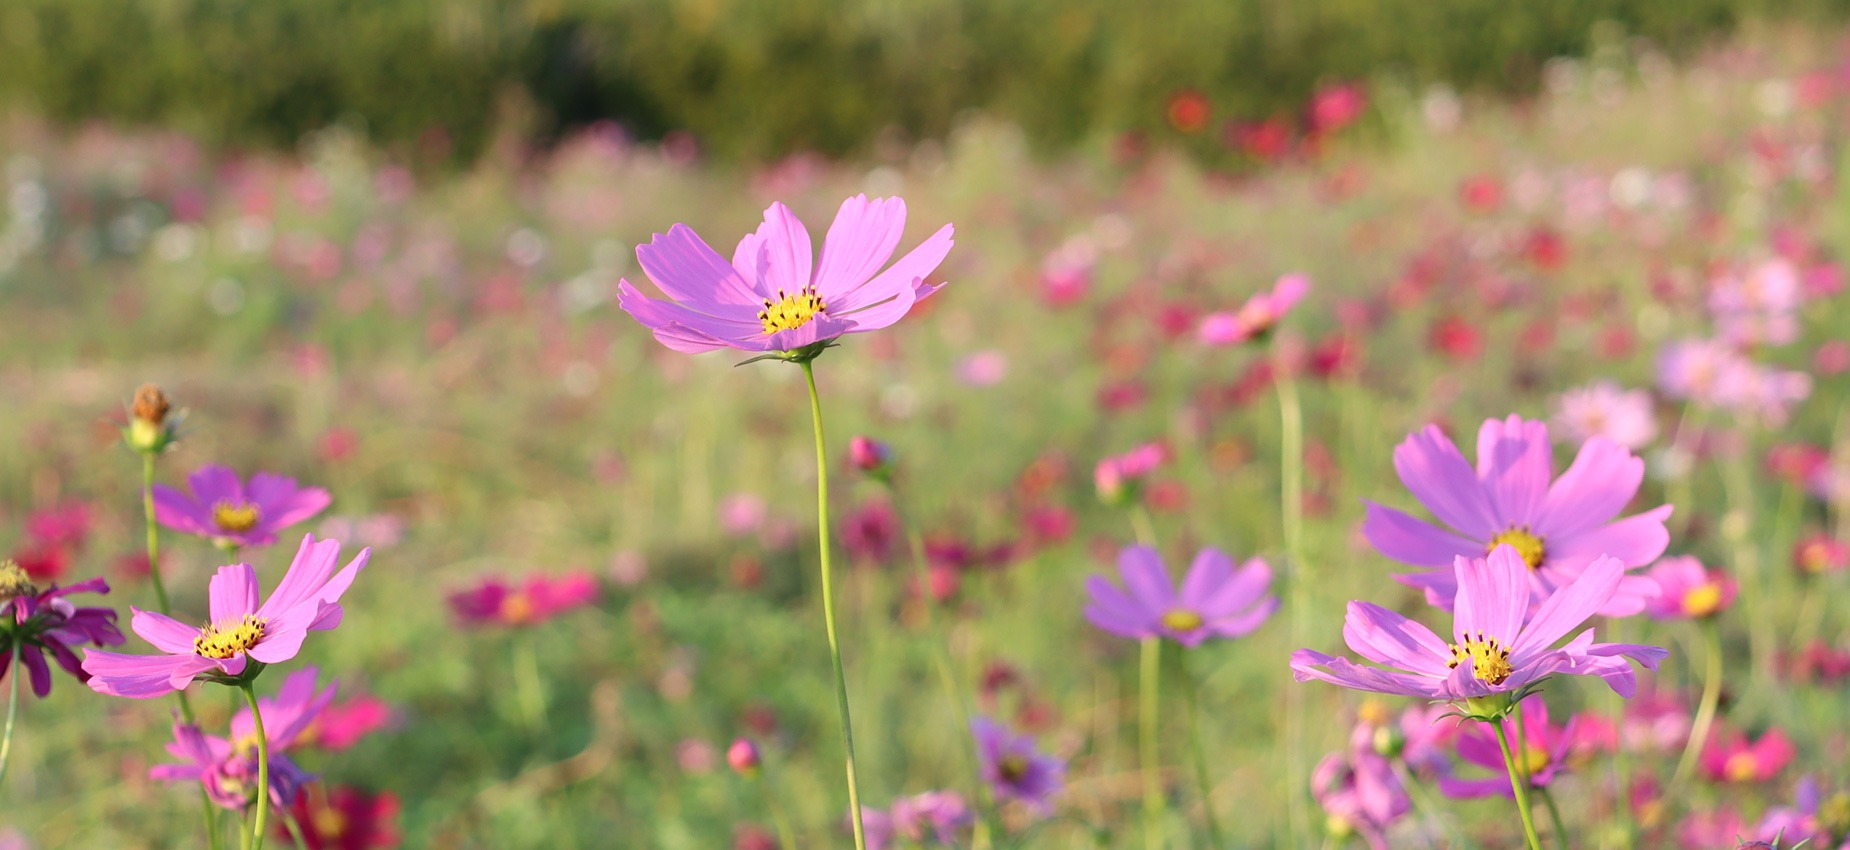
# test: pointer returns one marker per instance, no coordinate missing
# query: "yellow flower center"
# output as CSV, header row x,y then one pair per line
x,y
235,517
1834,816
1526,543
1741,767
790,312
1490,663
1373,712
1013,768
1182,620
14,582
1534,759
1703,600
221,642
330,823
516,608
1338,826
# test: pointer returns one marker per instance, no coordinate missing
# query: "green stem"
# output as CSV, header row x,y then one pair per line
x,y
12,708
941,658
1192,692
209,811
263,768
1291,510
1146,722
828,607
1705,711
1518,786
532,690
1423,801
295,830
1554,816
1142,526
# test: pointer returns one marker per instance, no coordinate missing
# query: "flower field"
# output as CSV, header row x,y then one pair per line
x,y
1465,474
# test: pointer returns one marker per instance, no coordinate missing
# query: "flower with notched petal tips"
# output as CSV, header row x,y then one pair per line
x,y
45,622
231,512
1256,318
1014,768
1214,601
1688,591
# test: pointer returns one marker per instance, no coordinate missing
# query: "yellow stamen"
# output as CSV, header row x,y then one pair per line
x,y
1741,767
221,642
1373,712
1527,545
1534,759
1703,601
1490,662
330,823
1013,768
1182,620
235,517
790,312
14,582
516,609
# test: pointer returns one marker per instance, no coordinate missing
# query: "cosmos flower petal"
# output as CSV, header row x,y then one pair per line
x,y
178,511
1309,664
689,271
37,671
308,573
1636,540
1514,461
139,676
214,483
1493,596
1441,586
1114,612
1386,637
232,593
1146,578
1413,541
1595,488
282,502
905,273
1240,625
656,313
883,314
167,634
1432,468
1235,593
1210,570
1569,606
783,254
862,238
1471,789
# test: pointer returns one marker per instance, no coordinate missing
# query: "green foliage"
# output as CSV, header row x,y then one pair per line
x,y
754,80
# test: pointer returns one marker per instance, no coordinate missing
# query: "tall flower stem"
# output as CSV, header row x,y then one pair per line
x,y
1291,513
1192,692
12,709
1149,690
1517,785
1705,710
160,597
1142,526
295,829
532,689
828,606
263,768
1554,816
941,658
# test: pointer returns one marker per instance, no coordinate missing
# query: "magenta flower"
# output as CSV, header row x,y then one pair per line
x,y
240,630
1014,768
769,298
346,723
1215,600
290,715
227,770
34,622
536,600
1542,750
1258,315
1558,525
1360,795
1604,409
1687,591
1119,478
233,513
1499,647
1730,757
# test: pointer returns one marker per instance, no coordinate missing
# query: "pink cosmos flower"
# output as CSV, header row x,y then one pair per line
x,y
1543,748
1688,591
43,621
770,298
536,600
933,818
1758,307
1730,757
1822,822
1360,795
1120,477
233,513
1820,553
227,770
1604,409
1258,315
1557,526
1215,600
1501,643
240,630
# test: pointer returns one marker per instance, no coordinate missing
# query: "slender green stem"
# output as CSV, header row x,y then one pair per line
x,y
828,607
1142,525
1422,800
1191,690
209,811
532,689
986,825
295,830
1291,512
1554,816
1517,785
1705,710
263,768
12,708
1147,723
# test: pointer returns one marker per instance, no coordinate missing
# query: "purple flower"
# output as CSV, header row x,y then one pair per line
x,y
1014,769
1498,646
1558,525
307,600
1604,409
769,298
43,621
228,770
1543,751
1258,315
1823,822
295,708
232,513
1360,794
1215,600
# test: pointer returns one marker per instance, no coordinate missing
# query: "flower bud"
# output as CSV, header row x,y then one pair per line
x,y
744,758
871,456
150,427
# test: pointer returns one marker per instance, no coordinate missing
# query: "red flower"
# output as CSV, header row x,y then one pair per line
x,y
1189,111
345,818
